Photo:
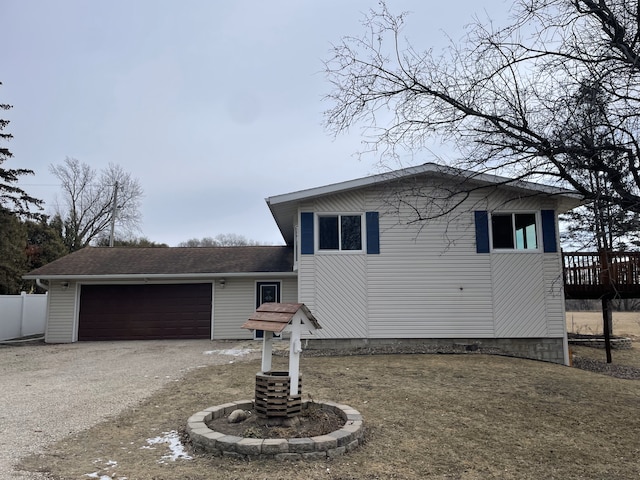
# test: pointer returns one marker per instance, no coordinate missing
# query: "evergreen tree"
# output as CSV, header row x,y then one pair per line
x,y
13,262
12,198
44,242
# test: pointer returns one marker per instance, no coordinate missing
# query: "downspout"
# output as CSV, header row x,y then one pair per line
x,y
42,285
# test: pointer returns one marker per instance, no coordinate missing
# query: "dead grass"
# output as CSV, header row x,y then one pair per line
x,y
427,416
624,323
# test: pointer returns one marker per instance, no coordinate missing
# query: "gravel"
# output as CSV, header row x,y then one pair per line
x,y
51,391
611,369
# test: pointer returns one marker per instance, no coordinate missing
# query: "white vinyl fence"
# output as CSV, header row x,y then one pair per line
x,y
22,315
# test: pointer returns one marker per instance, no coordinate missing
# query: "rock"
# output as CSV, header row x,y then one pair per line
x,y
238,416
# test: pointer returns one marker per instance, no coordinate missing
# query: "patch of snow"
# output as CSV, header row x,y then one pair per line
x,y
99,477
175,446
110,463
235,352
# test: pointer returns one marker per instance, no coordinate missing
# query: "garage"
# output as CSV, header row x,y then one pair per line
x,y
145,312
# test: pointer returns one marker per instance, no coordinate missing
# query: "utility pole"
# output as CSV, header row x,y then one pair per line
x,y
113,213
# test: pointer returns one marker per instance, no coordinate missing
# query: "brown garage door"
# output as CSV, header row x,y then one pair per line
x,y
145,312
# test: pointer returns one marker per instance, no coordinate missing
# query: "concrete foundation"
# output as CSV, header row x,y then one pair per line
x,y
545,349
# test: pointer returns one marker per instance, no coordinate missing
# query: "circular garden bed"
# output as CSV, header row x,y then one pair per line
x,y
226,440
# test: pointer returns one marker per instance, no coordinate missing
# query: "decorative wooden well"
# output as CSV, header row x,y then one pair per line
x,y
279,394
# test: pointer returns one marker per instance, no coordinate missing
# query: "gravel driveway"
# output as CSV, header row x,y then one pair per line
x,y
50,391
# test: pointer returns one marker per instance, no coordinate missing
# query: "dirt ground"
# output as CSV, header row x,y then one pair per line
x,y
427,416
312,422
624,323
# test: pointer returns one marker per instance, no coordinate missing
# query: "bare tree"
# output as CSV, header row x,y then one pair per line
x,y
503,96
220,240
87,204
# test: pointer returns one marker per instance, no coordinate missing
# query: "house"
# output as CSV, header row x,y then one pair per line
x,y
485,269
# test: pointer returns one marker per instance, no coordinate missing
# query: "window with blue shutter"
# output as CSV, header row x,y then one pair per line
x,y
339,233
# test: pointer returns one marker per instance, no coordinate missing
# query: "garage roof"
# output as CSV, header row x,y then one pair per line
x,y
170,261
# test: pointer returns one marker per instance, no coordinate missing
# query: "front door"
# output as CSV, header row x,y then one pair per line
x,y
266,292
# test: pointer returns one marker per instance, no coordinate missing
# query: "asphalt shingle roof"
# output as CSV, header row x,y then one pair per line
x,y
169,261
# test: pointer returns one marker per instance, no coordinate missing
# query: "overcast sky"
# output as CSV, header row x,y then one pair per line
x,y
213,105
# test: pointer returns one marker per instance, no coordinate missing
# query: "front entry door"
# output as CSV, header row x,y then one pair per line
x,y
266,292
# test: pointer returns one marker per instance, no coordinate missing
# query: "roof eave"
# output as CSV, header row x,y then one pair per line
x,y
409,172
159,276
279,205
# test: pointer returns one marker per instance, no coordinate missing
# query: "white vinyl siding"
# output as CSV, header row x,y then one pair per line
x,y
62,313
554,295
334,287
519,296
341,296
429,283
235,303
353,201
289,290
428,280
306,281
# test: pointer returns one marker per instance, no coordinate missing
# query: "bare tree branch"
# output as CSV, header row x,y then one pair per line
x,y
503,97
88,196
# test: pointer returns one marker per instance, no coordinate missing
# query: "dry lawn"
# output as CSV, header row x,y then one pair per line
x,y
590,323
428,416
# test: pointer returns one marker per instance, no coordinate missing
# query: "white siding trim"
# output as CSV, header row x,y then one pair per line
x,y
76,312
213,303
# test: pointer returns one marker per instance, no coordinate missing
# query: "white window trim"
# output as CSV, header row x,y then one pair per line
x,y
296,247
516,250
316,230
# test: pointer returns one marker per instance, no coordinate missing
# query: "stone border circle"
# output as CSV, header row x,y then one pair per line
x,y
333,444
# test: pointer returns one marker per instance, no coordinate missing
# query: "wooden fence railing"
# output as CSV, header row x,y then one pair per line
x,y
601,272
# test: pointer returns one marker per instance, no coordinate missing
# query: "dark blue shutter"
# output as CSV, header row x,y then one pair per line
x,y
482,231
373,233
306,233
549,241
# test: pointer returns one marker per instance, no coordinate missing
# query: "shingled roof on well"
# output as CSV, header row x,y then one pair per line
x,y
169,261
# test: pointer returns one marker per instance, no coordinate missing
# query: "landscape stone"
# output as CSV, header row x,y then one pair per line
x,y
238,416
273,446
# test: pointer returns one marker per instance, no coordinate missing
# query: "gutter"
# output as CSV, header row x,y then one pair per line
x,y
159,276
39,283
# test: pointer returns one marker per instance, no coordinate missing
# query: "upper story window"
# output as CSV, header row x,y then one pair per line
x,y
514,231
340,232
